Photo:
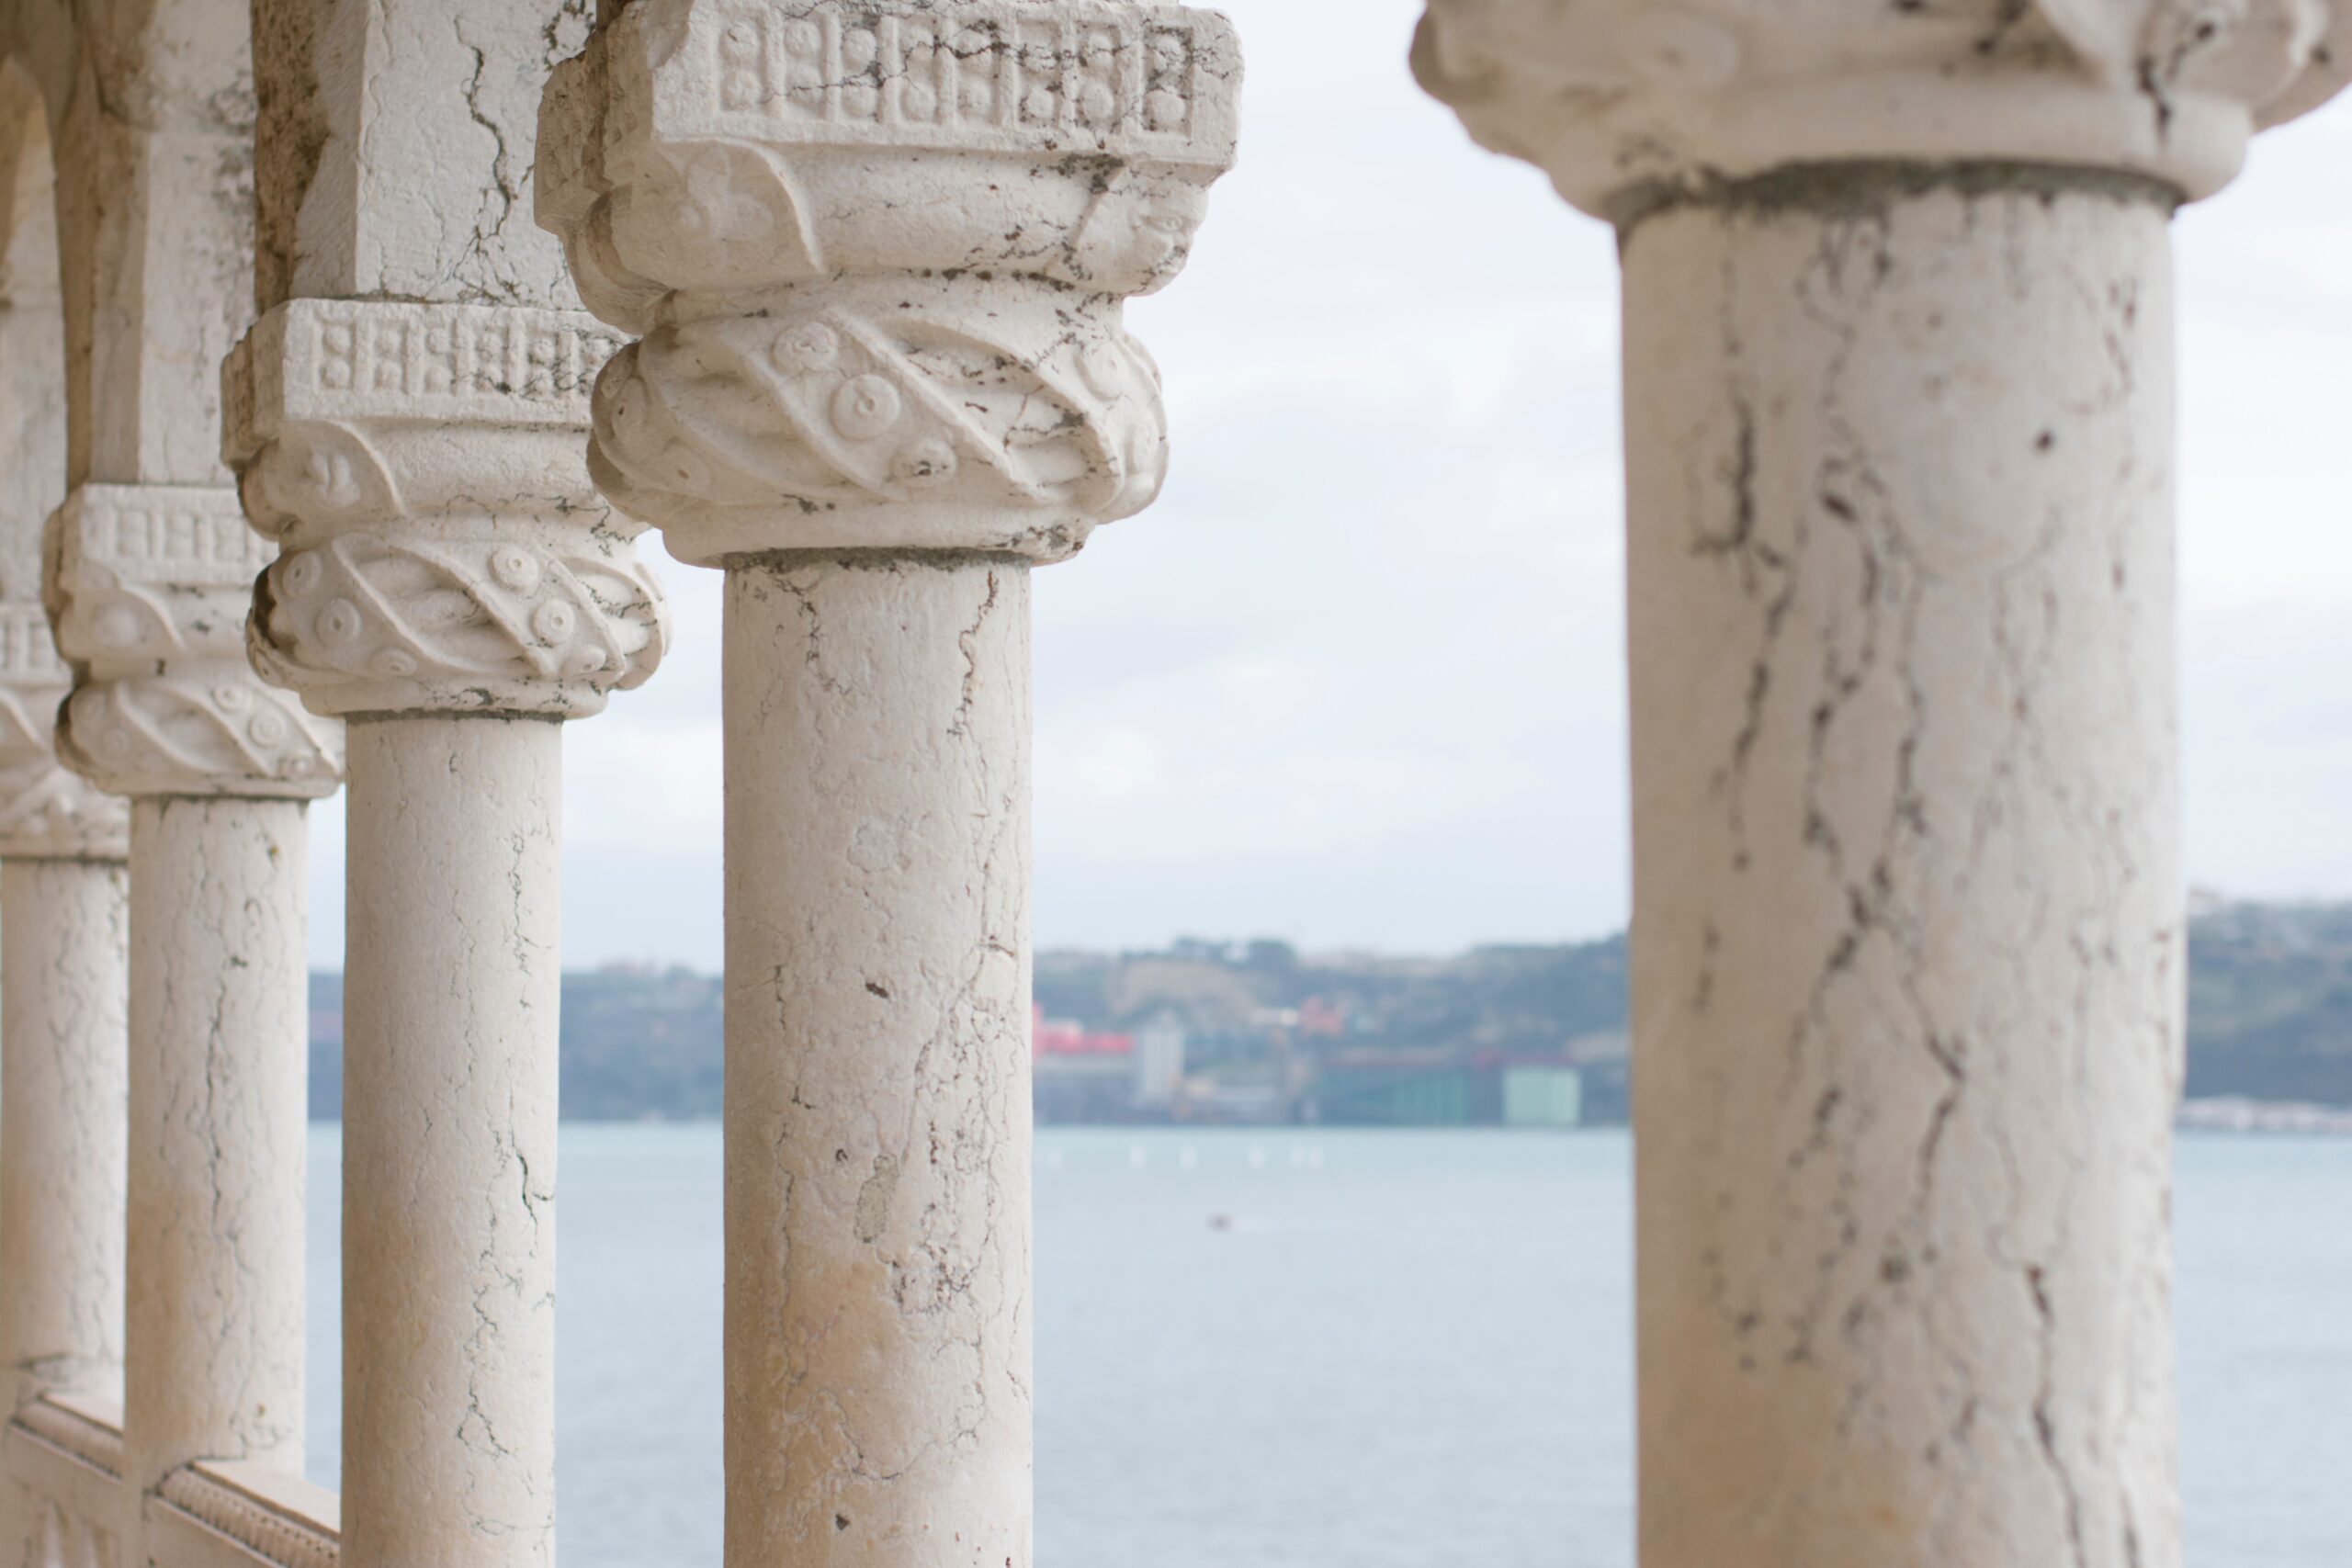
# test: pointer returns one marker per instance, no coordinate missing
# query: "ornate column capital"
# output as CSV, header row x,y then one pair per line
x,y
442,548
1620,100
45,811
877,255
147,586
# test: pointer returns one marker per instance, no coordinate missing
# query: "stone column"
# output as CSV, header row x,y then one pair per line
x,y
1908,941
62,890
408,418
875,256
149,573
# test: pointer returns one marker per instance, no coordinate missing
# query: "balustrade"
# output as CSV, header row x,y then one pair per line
x,y
1907,943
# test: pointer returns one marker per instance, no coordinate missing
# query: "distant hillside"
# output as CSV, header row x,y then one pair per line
x,y
2270,1002
639,1044
2270,1015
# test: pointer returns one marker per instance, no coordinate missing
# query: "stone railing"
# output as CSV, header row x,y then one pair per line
x,y
65,1454
832,293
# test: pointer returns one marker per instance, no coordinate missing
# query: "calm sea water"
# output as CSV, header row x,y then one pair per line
x,y
1408,1350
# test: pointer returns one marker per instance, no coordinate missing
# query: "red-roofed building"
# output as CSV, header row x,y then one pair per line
x,y
1061,1037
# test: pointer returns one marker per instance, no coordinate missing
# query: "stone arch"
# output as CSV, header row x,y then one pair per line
x,y
33,338
150,115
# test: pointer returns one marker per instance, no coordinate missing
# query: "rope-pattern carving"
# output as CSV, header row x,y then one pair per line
x,y
534,619
1049,416
44,809
206,726
283,1538
93,1442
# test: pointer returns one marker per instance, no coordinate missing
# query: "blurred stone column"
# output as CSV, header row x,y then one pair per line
x,y
1908,939
63,889
409,419
875,256
149,569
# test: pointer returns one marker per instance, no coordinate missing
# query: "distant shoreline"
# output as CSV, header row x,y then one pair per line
x,y
2233,1114
2281,1119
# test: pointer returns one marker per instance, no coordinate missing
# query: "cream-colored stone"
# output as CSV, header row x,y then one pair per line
x,y
395,150
444,548
147,571
879,1313
62,986
148,587
1907,942
409,419
1907,937
44,809
875,257
449,1145
63,920
1617,100
220,1038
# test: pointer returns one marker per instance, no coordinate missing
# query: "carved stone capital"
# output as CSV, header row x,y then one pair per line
x,y
444,549
918,413
147,586
1616,98
878,253
45,811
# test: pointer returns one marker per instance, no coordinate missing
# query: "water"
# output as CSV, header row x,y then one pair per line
x,y
1407,1350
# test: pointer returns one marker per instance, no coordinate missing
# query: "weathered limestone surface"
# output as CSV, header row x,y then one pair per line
x,y
875,256
1907,934
408,418
449,1141
1907,949
1612,98
219,1032
395,150
63,925
148,570
44,809
148,587
62,987
878,1312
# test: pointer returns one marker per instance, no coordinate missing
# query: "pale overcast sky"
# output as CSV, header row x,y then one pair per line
x,y
1358,680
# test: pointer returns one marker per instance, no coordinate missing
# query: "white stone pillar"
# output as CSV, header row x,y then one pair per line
x,y
876,256
148,583
877,1105
149,573
409,419
1907,942
62,936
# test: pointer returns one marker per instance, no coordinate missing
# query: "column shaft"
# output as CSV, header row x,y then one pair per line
x,y
1907,944
449,1142
878,1062
63,985
219,1067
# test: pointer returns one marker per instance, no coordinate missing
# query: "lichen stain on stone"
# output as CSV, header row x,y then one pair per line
x,y
874,1199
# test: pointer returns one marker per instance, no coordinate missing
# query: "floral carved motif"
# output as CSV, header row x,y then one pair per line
x,y
876,254
364,621
741,434
423,466
44,809
148,587
1614,96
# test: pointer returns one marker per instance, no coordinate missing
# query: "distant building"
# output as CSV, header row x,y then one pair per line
x,y
1542,1097
1160,1061
1062,1037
